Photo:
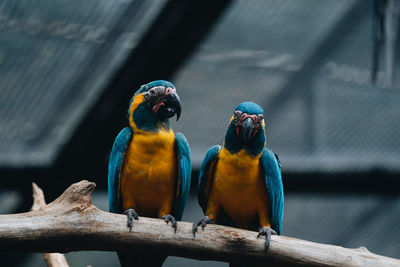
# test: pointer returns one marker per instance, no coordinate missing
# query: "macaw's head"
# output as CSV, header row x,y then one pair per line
x,y
152,106
246,129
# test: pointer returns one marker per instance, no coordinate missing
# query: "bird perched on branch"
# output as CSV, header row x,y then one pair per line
x,y
240,183
150,166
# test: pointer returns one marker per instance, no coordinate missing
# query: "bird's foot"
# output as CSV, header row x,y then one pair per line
x,y
131,213
203,222
267,232
169,218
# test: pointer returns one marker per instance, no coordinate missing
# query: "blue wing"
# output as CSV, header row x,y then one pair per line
x,y
273,180
184,172
114,168
205,175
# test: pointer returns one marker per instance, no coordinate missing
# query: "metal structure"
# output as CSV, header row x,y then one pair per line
x,y
69,68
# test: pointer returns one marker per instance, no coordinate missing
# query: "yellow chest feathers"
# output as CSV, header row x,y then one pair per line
x,y
239,187
238,169
149,145
149,171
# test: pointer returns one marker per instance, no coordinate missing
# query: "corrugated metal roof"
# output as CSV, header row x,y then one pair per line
x,y
307,63
56,57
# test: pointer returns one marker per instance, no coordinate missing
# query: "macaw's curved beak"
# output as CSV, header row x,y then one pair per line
x,y
247,130
172,105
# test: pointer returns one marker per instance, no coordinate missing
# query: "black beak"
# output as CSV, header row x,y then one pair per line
x,y
247,130
172,106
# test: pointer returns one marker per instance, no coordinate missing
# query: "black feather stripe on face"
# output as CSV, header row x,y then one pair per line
x,y
154,100
236,119
154,95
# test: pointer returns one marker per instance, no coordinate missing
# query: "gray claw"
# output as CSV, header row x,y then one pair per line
x,y
267,232
131,213
203,222
169,218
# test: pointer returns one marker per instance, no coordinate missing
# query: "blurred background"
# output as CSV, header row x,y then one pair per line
x,y
325,72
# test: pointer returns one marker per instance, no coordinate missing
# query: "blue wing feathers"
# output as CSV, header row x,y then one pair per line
x,y
273,180
184,174
114,167
204,176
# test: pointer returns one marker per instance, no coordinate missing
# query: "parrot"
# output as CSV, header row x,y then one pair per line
x,y
240,183
149,170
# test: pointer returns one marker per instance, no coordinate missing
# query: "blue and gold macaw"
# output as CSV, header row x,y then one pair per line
x,y
240,184
150,166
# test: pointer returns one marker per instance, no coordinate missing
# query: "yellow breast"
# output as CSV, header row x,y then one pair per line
x,y
239,186
148,178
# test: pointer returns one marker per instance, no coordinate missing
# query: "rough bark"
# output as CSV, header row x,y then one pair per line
x,y
51,259
72,223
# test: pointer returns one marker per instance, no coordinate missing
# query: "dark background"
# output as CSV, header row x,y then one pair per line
x,y
69,68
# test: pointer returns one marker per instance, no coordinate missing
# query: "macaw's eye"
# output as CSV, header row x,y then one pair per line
x,y
260,117
238,113
152,92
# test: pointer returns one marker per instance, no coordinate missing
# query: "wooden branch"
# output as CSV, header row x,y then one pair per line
x,y
72,223
51,259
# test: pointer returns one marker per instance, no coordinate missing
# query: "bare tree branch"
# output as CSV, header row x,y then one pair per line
x,y
51,259
72,223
